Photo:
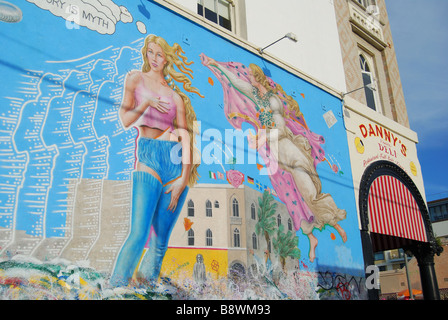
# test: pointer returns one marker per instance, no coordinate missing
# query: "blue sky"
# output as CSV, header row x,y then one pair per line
x,y
419,29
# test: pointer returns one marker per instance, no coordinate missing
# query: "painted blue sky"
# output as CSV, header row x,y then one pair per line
x,y
419,29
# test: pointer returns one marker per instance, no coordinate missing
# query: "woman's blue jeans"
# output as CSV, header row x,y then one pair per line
x,y
149,208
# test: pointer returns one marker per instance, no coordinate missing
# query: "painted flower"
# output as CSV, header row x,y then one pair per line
x,y
235,178
335,168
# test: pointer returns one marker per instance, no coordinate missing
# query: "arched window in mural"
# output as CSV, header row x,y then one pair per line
x,y
237,271
216,204
252,211
208,208
190,208
289,225
208,238
235,208
236,238
190,237
279,220
254,241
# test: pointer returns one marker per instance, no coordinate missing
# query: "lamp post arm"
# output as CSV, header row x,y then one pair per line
x,y
262,49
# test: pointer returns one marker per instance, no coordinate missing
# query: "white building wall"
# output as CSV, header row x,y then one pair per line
x,y
317,52
440,228
191,5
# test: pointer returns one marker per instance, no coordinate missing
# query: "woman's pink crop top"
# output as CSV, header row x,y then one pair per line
x,y
153,118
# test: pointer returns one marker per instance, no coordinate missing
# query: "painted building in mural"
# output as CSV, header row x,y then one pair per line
x,y
161,140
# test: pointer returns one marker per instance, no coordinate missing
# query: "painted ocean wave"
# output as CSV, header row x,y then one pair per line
x,y
22,278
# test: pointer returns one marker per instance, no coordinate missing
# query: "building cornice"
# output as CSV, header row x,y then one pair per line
x,y
368,27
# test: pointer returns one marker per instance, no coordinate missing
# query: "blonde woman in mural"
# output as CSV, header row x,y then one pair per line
x,y
165,169
289,149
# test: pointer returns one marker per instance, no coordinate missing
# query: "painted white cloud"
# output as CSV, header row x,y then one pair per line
x,y
9,12
345,258
97,15
141,27
125,15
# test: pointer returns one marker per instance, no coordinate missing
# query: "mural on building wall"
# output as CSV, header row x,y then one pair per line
x,y
289,149
112,121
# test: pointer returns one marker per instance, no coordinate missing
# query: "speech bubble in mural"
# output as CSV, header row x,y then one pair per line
x,y
95,15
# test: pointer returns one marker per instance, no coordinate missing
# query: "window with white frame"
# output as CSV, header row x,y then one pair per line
x,y
218,11
367,3
369,81
371,8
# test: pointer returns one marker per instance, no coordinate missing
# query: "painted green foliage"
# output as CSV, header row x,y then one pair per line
x,y
285,243
266,216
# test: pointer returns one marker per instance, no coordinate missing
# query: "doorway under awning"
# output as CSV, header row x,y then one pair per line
x,y
381,242
394,215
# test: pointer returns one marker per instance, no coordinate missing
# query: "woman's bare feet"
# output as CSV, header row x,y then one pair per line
x,y
341,232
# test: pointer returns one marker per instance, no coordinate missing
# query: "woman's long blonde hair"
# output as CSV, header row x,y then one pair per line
x,y
261,78
174,57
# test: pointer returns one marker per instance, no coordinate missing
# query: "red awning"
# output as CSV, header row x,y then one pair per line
x,y
393,210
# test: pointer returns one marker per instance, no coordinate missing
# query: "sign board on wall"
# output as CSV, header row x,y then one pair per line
x,y
369,141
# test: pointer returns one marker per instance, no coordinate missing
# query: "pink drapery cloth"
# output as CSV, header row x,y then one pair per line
x,y
239,108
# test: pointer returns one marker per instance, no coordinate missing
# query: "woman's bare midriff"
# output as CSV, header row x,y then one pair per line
x,y
154,133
